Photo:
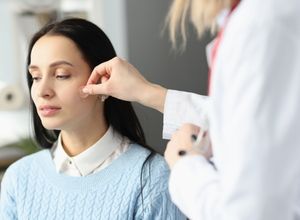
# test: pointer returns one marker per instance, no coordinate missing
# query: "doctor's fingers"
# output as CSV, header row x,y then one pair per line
x,y
115,67
98,72
102,74
190,131
96,89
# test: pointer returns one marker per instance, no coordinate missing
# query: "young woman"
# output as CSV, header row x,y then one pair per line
x,y
96,164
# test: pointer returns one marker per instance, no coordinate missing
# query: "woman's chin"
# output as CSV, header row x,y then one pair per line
x,y
51,126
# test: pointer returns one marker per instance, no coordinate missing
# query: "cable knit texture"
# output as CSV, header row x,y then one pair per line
x,y
33,190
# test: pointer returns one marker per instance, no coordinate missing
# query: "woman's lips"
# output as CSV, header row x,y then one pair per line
x,y
47,111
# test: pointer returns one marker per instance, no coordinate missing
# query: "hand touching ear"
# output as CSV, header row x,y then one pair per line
x,y
120,79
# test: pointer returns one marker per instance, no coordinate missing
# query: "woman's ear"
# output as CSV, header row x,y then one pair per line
x,y
103,97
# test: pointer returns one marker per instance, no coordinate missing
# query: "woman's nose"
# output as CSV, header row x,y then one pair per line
x,y
45,89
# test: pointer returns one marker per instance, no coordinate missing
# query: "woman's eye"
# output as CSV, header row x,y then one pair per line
x,y
62,76
36,78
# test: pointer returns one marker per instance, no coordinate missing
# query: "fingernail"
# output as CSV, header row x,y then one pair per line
x,y
194,137
182,153
104,97
85,90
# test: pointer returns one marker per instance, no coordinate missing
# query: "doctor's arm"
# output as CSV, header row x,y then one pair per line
x,y
120,79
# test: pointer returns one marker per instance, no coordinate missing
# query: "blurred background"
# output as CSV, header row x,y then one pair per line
x,y
136,29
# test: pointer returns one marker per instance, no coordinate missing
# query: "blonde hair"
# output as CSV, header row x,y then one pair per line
x,y
202,14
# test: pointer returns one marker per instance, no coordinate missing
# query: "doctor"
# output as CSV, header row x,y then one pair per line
x,y
253,112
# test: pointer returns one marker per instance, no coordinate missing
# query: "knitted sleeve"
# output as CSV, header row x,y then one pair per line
x,y
155,202
8,209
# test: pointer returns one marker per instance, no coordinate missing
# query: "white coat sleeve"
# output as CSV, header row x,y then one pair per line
x,y
191,189
183,107
194,187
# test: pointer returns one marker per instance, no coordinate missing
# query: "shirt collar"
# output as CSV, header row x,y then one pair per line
x,y
88,160
222,17
224,14
221,21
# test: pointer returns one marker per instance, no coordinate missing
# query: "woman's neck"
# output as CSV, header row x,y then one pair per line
x,y
78,140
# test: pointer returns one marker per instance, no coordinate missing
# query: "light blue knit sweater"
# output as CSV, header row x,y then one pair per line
x,y
33,190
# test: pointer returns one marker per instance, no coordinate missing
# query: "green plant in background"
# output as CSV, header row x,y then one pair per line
x,y
27,145
14,151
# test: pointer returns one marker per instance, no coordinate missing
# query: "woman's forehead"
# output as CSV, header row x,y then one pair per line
x,y
55,48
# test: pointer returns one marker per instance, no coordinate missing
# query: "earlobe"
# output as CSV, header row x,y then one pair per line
x,y
103,97
82,94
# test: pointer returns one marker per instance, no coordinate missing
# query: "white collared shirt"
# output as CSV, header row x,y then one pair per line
x,y
95,158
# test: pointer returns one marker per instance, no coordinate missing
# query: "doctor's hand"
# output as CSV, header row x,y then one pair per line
x,y
120,79
183,143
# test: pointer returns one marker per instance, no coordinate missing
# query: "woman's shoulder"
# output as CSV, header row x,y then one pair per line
x,y
143,153
26,162
156,164
155,195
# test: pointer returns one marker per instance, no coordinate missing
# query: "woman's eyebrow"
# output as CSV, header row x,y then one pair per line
x,y
57,63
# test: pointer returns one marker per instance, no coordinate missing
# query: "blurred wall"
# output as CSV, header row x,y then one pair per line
x,y
14,124
110,15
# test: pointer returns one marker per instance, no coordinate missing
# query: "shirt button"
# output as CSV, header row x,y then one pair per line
x,y
70,162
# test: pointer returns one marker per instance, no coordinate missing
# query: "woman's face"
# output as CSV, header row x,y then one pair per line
x,y
58,71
